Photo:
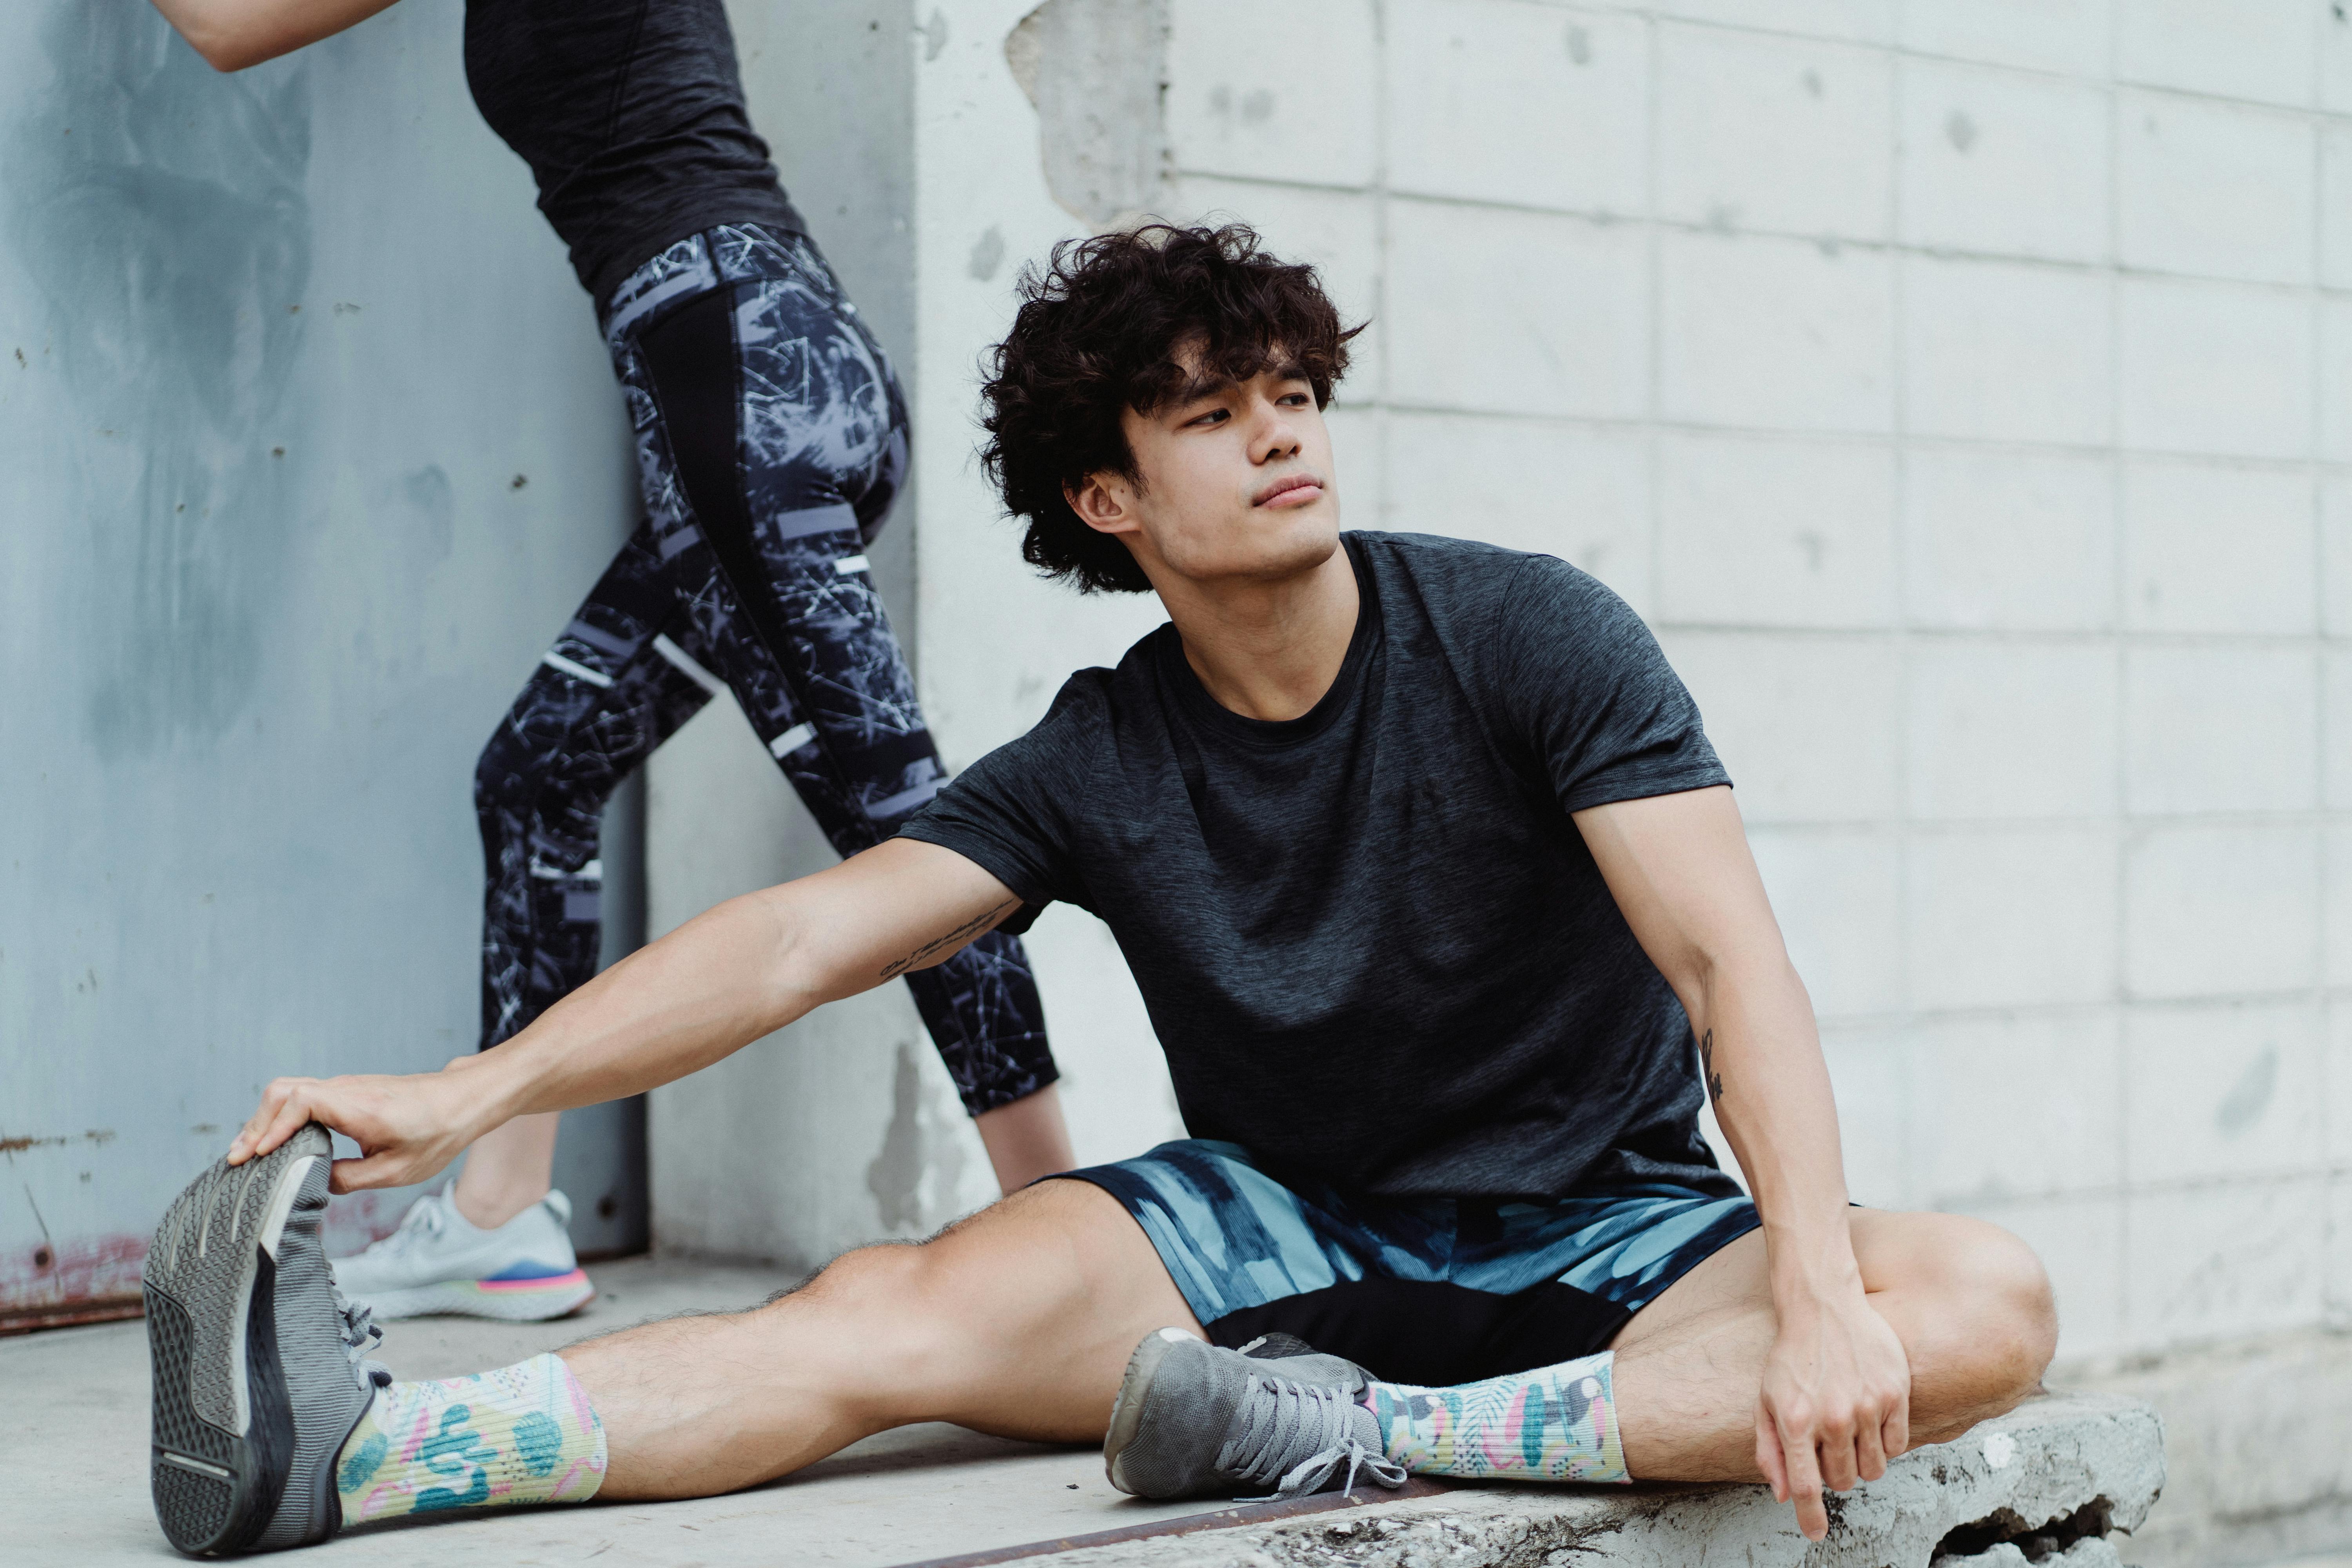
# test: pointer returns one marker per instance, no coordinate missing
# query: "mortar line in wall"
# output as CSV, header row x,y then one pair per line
x,y
1603,423
1894,47
2118,536
2326,868
2081,1010
1385,369
2292,821
1652,267
2298,997
2220,642
1599,217
1899,417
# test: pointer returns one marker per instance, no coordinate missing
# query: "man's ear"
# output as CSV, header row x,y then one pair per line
x,y
1103,503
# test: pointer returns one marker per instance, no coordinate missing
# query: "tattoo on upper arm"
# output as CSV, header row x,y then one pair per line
x,y
1707,1067
962,933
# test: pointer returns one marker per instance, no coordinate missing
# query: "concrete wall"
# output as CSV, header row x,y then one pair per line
x,y
1961,390
844,1128
307,445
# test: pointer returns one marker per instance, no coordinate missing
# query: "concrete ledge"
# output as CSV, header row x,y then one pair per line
x,y
2061,1479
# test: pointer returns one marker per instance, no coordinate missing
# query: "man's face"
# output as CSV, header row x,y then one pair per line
x,y
1236,482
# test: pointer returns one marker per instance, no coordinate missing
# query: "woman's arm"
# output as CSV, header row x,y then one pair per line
x,y
1026,1139
234,34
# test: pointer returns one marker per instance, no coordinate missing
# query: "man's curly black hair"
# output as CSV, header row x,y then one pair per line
x,y
1099,331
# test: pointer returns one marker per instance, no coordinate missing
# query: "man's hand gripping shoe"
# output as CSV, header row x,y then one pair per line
x,y
259,1376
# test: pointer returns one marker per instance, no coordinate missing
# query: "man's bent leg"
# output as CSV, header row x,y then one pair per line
x,y
1017,1322
1970,1302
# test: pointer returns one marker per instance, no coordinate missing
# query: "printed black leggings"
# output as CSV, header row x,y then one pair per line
x,y
771,439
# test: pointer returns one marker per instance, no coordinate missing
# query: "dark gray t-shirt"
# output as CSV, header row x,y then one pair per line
x,y
1373,945
630,113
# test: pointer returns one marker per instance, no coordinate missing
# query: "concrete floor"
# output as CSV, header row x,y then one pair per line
x,y
73,1447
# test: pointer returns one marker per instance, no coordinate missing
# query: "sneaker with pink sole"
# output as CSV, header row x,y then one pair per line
x,y
439,1262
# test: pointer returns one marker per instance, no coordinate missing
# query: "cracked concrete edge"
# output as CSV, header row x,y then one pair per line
x,y
2040,1462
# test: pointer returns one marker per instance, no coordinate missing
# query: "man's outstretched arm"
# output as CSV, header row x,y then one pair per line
x,y
715,985
1835,1403
234,34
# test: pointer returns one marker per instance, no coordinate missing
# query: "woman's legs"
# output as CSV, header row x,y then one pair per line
x,y
609,691
772,442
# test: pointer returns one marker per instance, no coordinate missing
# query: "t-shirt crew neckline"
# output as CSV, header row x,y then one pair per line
x,y
1177,674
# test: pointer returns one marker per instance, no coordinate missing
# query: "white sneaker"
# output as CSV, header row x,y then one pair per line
x,y
440,1261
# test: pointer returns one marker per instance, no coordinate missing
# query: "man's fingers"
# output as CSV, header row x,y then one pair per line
x,y
1869,1454
1836,1446
275,1124
1895,1436
1768,1453
359,1175
243,1146
1804,1483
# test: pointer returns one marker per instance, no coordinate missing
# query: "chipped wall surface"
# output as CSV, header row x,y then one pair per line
x,y
307,444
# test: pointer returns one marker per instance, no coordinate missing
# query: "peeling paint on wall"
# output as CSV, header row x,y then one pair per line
x,y
159,210
1097,71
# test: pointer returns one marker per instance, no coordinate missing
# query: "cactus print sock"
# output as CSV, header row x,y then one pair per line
x,y
1555,1424
522,1434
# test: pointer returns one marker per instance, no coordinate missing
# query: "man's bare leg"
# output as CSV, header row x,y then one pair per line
x,y
1969,1301
1017,1322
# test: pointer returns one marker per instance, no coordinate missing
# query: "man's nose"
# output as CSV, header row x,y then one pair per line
x,y
1277,437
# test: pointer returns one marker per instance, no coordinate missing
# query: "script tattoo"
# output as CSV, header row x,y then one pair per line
x,y
962,933
1707,1067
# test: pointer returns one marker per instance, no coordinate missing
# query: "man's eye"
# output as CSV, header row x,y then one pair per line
x,y
1213,416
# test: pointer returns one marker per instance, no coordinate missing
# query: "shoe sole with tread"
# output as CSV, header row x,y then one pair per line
x,y
1134,1392
223,1436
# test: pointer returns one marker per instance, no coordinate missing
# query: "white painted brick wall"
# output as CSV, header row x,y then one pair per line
x,y
1963,389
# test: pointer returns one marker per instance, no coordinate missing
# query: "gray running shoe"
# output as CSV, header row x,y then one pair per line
x,y
1193,1419
258,1376
1299,1362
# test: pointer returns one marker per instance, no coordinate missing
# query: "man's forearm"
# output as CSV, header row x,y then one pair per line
x,y
713,986
1761,1055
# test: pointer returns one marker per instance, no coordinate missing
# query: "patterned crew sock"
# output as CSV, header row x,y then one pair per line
x,y
1555,1424
522,1434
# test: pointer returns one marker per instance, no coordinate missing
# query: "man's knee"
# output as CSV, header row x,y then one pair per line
x,y
1992,1297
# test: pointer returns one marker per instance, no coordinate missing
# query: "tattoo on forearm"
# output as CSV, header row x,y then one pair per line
x,y
1707,1067
962,933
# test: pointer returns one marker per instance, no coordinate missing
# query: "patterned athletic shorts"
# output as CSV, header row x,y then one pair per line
x,y
1425,1291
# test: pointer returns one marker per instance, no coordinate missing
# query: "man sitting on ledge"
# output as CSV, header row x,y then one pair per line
x,y
1443,914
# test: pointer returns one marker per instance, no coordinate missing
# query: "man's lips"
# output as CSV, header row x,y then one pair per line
x,y
1289,486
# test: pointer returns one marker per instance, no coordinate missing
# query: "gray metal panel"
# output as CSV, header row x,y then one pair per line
x,y
308,446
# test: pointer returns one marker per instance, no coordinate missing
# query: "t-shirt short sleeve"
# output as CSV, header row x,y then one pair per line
x,y
1009,813
1588,687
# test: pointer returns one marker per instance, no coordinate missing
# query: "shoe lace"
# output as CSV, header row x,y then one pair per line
x,y
421,1223
1279,1417
361,1334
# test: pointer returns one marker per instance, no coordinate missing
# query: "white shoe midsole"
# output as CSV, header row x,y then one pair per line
x,y
509,1301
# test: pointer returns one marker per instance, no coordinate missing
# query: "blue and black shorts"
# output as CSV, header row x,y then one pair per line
x,y
1425,1291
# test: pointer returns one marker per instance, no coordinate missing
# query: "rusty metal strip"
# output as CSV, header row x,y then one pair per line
x,y
66,1315
1223,1519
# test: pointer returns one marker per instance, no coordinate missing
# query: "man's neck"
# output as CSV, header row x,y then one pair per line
x,y
1268,649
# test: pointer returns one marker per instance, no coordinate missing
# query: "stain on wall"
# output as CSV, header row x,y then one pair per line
x,y
895,1175
159,209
